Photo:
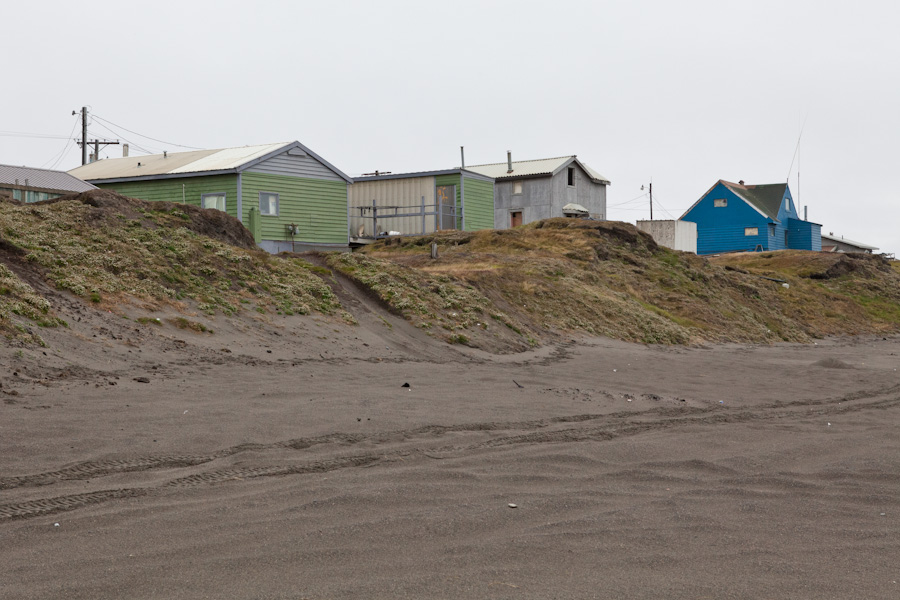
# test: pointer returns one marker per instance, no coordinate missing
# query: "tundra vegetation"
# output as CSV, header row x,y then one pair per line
x,y
503,291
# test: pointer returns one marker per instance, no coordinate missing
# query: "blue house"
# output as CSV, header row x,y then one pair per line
x,y
733,217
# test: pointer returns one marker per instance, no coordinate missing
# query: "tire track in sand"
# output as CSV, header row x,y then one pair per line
x,y
616,425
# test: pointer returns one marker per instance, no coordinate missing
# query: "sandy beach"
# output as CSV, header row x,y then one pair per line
x,y
288,459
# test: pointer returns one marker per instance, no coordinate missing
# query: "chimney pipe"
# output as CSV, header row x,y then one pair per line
x,y
509,168
804,213
124,150
462,156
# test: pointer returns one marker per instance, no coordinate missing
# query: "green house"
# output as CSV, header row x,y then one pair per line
x,y
289,197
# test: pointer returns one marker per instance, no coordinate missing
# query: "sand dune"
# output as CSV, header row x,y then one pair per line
x,y
284,459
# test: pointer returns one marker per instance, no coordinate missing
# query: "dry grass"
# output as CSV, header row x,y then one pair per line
x,y
126,250
606,278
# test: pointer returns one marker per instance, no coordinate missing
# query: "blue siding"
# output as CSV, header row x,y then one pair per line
x,y
804,235
723,229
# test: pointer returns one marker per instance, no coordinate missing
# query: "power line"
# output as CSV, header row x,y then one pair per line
x,y
65,149
628,202
32,135
145,136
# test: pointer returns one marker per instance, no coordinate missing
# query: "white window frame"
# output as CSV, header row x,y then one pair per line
x,y
751,231
720,202
277,204
517,188
217,196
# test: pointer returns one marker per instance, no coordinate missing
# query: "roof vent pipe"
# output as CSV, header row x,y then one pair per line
x,y
804,213
462,156
509,161
124,150
165,154
741,182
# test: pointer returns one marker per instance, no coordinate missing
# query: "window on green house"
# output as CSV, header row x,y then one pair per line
x,y
216,201
268,204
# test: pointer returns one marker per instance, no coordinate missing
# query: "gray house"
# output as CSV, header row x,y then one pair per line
x,y
28,184
530,190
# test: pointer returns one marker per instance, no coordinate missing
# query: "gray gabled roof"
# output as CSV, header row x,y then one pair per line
x,y
535,168
44,179
766,198
187,164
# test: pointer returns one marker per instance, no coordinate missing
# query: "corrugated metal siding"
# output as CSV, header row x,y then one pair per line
x,y
297,166
171,190
318,207
407,192
479,204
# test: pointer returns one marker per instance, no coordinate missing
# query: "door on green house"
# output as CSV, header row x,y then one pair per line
x,y
446,207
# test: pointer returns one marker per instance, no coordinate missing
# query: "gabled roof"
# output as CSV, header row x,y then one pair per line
x,y
765,199
535,168
43,179
198,162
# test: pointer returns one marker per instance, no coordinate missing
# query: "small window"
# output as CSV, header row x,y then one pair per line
x,y
772,229
268,204
787,204
517,187
720,202
751,231
571,175
216,201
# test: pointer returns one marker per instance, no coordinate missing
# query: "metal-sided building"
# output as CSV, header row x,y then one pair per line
x,y
28,184
833,243
530,190
285,194
419,203
733,217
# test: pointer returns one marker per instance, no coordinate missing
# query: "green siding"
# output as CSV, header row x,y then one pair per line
x,y
317,206
479,206
171,189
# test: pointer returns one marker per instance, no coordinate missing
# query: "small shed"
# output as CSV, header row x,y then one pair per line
x,y
288,196
28,184
677,235
419,203
531,190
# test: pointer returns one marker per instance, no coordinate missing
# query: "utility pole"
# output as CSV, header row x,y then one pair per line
x,y
651,199
83,134
83,142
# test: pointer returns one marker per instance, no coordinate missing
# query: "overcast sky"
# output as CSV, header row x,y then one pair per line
x,y
685,93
